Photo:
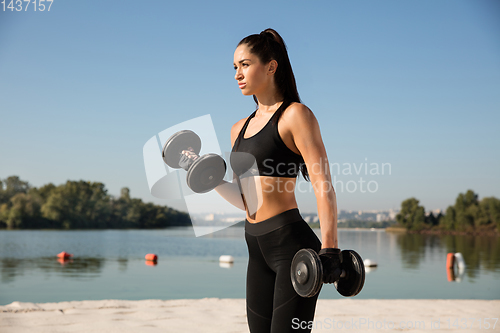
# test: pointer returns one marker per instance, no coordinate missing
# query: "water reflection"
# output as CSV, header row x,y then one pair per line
x,y
412,249
75,267
479,252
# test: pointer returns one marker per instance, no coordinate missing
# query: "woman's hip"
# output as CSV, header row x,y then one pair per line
x,y
281,236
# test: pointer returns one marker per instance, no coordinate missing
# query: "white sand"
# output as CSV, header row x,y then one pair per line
x,y
228,315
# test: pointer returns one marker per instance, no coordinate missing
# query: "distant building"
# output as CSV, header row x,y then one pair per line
x,y
344,215
233,219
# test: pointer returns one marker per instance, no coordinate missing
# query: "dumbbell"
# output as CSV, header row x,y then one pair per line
x,y
307,273
205,172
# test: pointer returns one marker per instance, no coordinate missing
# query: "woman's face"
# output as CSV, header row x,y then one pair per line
x,y
252,76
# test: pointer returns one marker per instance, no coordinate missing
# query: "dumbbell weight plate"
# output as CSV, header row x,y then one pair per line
x,y
353,282
206,173
178,142
306,272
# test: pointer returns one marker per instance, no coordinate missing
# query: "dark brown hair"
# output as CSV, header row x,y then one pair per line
x,y
267,46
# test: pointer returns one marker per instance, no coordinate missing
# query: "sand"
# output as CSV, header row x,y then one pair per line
x,y
228,315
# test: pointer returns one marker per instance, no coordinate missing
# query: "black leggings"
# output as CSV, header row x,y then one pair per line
x,y
273,306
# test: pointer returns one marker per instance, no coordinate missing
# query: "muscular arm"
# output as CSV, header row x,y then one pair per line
x,y
227,190
231,192
307,138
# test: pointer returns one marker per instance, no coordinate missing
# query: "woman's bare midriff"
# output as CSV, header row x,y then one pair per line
x,y
268,196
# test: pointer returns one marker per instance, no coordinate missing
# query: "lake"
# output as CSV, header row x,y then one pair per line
x,y
109,264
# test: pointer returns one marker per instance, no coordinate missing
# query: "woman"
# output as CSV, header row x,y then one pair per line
x,y
283,137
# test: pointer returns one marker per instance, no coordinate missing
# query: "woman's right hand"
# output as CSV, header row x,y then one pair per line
x,y
331,259
190,153
188,157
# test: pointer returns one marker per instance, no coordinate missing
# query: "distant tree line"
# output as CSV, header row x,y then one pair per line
x,y
79,205
467,215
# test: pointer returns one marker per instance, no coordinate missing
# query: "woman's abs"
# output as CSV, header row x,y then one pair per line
x,y
268,196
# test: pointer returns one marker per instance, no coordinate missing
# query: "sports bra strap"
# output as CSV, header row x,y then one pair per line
x,y
283,105
244,128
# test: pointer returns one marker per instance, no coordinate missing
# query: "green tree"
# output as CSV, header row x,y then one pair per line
x,y
412,215
15,206
119,210
78,205
11,186
469,213
466,209
448,220
43,192
134,214
489,212
24,212
4,214
14,185
2,193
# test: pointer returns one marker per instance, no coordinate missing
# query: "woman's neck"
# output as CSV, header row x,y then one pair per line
x,y
269,102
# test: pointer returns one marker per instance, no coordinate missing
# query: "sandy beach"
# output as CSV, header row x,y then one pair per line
x,y
228,315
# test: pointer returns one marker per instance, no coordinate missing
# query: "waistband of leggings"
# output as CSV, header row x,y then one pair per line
x,y
273,223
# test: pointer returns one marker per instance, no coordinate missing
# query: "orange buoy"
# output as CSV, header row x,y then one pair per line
x,y
450,260
450,272
450,266
151,257
64,261
64,255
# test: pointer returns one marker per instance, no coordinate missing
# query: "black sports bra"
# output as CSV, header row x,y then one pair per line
x,y
265,153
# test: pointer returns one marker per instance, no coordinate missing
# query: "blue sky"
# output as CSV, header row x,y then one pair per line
x,y
411,83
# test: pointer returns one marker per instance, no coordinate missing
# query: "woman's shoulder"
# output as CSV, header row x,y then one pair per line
x,y
296,109
297,114
236,129
239,124
300,121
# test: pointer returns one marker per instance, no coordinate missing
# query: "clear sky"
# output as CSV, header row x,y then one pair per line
x,y
415,84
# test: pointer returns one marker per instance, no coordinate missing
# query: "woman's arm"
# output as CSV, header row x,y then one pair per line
x,y
231,191
307,138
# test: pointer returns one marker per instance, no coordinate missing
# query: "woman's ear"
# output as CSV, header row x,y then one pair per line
x,y
273,65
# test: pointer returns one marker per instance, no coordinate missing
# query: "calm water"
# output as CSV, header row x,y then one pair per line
x,y
110,265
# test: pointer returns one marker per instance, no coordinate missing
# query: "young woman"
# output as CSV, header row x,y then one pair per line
x,y
283,137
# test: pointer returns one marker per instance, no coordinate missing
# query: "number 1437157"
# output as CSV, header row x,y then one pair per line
x,y
25,5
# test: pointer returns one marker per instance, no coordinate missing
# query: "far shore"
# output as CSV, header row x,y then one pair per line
x,y
444,232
